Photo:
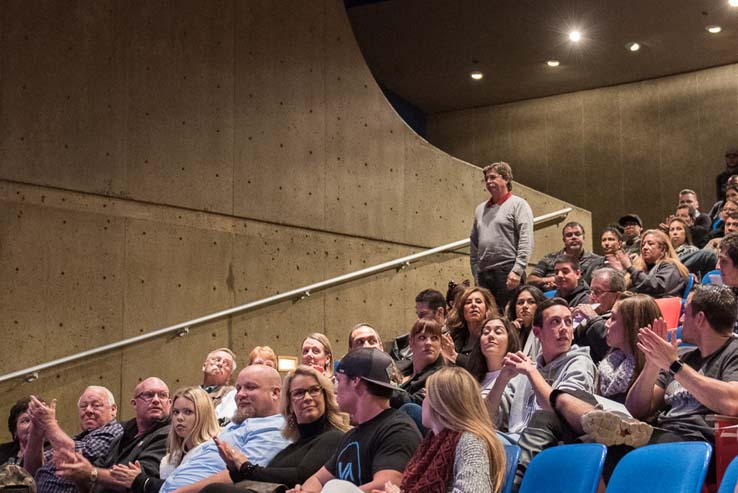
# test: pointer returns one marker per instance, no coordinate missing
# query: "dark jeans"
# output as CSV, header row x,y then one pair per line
x,y
496,281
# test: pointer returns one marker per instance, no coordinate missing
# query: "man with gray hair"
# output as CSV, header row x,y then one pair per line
x,y
502,235
607,284
216,373
100,431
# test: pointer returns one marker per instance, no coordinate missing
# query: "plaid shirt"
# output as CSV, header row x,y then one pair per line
x,y
94,445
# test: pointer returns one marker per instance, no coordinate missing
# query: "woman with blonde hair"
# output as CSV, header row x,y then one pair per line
x,y
657,271
263,355
193,424
316,351
462,452
465,321
314,424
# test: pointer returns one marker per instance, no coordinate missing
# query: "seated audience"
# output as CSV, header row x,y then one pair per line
x,y
687,214
520,310
728,263
731,193
731,226
19,426
315,427
317,352
255,430
688,197
217,370
379,447
425,343
569,283
429,303
611,240
543,275
194,424
263,355
524,385
682,389
617,372
657,271
718,226
364,335
100,432
143,441
681,238
632,227
499,337
462,451
453,292
591,331
465,321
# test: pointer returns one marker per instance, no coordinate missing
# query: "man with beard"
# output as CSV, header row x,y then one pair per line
x,y
543,275
144,440
255,430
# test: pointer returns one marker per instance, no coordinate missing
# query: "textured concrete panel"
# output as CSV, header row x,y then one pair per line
x,y
493,126
564,125
62,95
180,100
49,254
280,113
455,133
528,145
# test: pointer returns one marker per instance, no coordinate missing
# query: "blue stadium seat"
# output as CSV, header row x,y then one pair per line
x,y
662,468
512,454
565,469
730,478
712,277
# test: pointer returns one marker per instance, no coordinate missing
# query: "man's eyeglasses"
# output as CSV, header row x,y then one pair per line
x,y
149,396
299,394
597,292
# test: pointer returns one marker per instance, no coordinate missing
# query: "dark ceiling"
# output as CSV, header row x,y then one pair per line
x,y
424,50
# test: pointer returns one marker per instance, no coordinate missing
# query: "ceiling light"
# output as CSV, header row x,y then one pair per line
x,y
476,75
575,36
733,3
552,63
714,29
633,46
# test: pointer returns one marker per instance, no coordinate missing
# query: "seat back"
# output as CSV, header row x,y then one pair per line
x,y
662,468
712,277
549,294
730,478
565,469
671,309
512,454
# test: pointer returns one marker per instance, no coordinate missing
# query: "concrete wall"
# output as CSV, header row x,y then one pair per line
x,y
163,160
627,148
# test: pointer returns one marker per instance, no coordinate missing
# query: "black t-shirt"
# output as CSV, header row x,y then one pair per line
x,y
685,415
385,442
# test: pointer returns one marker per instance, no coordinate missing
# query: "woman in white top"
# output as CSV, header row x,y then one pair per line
x,y
498,338
193,424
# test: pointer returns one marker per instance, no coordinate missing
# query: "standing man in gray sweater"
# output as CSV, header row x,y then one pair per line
x,y
502,235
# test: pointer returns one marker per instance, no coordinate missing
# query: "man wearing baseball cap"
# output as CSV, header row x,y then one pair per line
x,y
632,226
384,439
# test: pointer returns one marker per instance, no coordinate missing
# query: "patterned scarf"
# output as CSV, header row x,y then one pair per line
x,y
432,465
616,372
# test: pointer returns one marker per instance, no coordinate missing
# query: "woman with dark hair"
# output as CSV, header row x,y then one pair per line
x,y
465,321
499,337
520,311
611,240
425,343
657,271
19,425
681,238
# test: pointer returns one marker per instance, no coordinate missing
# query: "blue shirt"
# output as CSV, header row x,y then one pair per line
x,y
259,438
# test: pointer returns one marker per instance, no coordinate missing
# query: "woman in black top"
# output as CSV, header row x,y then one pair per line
x,y
19,425
465,322
314,424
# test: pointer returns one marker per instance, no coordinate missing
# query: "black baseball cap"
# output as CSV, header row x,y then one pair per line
x,y
630,218
369,364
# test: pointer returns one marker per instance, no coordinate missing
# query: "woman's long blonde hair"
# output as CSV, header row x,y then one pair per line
x,y
670,255
456,404
335,417
206,424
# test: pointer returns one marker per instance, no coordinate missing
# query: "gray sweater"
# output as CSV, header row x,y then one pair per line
x,y
471,466
502,236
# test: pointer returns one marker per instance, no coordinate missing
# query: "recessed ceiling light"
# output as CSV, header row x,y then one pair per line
x,y
575,36
633,46
714,29
552,63
733,3
476,75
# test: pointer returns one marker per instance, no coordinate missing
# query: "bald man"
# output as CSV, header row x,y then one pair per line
x,y
255,430
144,440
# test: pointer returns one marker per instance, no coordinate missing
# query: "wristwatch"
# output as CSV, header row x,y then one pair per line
x,y
675,367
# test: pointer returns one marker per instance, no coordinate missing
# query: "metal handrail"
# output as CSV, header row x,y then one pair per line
x,y
181,329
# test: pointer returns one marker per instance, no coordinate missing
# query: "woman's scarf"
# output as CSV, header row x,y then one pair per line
x,y
431,467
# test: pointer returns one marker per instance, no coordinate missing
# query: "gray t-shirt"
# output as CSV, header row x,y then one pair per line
x,y
685,415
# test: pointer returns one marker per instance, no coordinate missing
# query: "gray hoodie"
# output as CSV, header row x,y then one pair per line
x,y
573,370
